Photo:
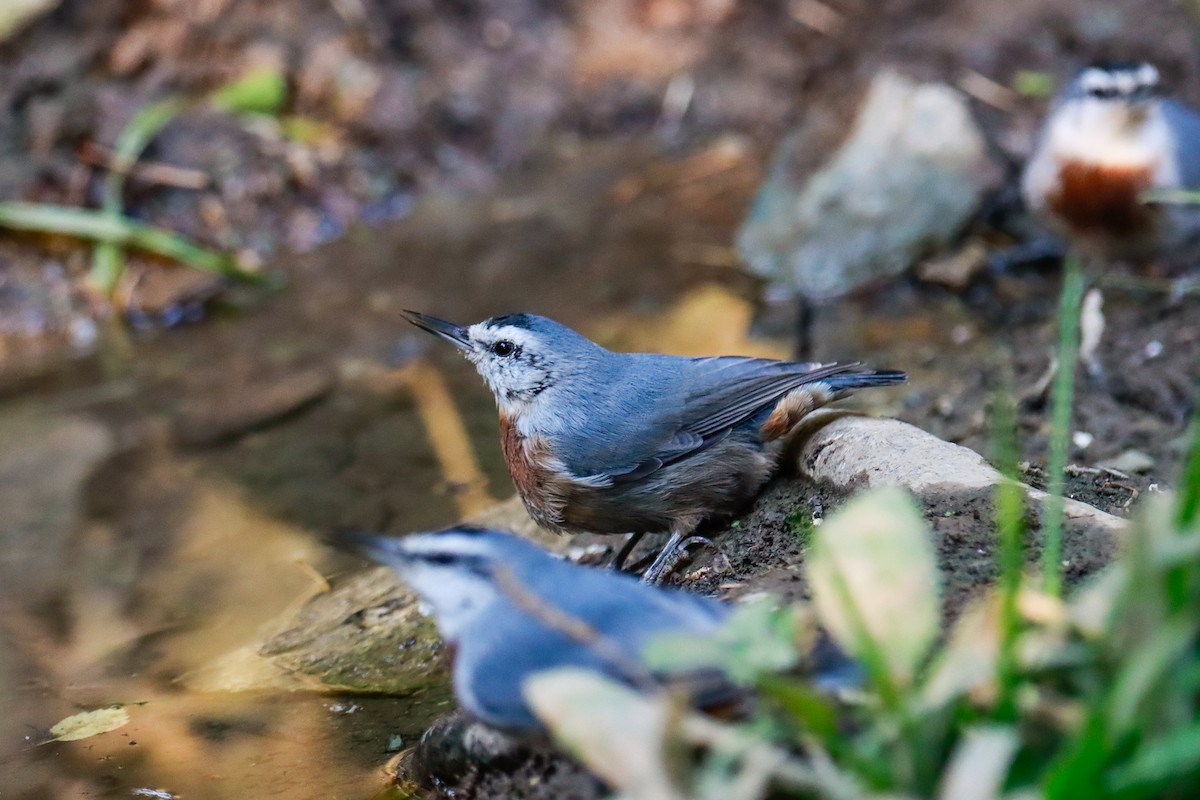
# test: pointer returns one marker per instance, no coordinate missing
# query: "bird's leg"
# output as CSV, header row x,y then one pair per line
x,y
667,558
806,313
618,560
720,562
1027,254
675,551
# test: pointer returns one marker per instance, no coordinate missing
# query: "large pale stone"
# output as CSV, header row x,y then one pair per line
x,y
909,175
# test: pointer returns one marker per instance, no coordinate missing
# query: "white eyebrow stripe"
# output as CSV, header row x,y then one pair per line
x,y
1094,78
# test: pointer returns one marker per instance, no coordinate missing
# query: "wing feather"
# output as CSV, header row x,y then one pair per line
x,y
720,393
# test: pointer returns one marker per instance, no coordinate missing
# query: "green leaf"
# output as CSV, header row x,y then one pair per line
x,y
811,710
1156,659
1079,763
872,562
262,90
1160,764
1033,83
757,638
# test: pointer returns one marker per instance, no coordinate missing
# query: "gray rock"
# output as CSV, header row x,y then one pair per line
x,y
368,635
906,179
452,747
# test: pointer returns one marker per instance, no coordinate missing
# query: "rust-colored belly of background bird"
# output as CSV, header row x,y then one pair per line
x,y
1103,199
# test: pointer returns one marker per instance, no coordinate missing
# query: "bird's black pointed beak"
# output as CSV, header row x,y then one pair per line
x,y
454,334
368,546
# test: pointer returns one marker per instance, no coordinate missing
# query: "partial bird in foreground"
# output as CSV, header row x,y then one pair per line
x,y
605,442
509,609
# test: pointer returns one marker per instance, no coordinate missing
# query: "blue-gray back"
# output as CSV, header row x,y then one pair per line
x,y
633,412
497,655
1185,126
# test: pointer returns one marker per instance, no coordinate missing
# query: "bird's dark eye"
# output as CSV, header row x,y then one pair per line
x,y
440,558
504,348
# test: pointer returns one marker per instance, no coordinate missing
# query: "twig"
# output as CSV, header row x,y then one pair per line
x,y
155,172
1143,284
988,91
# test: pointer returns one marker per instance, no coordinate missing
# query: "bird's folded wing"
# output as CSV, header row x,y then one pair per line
x,y
720,393
1185,127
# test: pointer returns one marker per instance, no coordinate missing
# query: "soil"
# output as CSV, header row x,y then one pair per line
x,y
468,159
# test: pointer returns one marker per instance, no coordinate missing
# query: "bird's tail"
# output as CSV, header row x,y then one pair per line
x,y
858,377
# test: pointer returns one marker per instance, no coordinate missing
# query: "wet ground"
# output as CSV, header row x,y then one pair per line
x,y
165,489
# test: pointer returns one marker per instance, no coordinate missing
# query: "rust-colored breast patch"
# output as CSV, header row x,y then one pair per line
x,y
527,466
1097,198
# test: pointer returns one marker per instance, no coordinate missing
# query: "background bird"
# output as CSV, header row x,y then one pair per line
x,y
606,442
509,609
1108,139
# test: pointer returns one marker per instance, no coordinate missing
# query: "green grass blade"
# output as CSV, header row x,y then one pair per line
x,y
1172,196
99,226
149,120
260,91
108,265
1010,519
1189,494
1060,432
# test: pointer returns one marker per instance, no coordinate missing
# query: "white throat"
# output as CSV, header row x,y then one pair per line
x,y
1108,134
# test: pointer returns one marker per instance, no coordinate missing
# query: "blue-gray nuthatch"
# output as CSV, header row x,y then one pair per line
x,y
1108,139
508,609
606,442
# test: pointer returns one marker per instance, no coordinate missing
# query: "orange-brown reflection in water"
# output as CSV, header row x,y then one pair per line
x,y
147,622
708,320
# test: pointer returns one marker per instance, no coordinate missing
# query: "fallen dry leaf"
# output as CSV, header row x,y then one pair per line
x,y
86,724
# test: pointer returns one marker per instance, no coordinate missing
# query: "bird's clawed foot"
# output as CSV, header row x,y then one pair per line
x,y
622,555
673,554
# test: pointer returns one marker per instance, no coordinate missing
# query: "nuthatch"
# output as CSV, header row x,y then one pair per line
x,y
606,442
1108,139
509,609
